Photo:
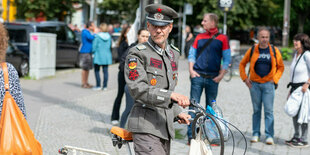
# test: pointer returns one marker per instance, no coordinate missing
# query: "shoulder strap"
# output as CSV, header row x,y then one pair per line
x,y
252,50
275,54
5,76
207,44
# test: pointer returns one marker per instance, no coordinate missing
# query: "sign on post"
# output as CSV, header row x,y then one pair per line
x,y
225,5
188,9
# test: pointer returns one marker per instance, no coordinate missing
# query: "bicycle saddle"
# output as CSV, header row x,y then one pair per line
x,y
123,133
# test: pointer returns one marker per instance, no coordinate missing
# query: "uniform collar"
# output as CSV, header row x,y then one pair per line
x,y
158,50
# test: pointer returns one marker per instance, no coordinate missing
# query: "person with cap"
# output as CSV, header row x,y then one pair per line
x,y
151,75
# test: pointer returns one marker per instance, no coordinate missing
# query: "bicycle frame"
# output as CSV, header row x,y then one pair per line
x,y
202,111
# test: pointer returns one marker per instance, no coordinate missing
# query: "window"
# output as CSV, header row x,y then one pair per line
x,y
59,30
18,36
70,35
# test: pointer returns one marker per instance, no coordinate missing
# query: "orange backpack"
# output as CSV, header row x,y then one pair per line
x,y
16,137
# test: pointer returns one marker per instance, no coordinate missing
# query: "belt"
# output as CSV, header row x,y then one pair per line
x,y
207,76
295,85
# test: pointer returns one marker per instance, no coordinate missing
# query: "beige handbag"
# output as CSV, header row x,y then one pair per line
x,y
199,147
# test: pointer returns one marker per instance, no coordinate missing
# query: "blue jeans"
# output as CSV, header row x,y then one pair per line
x,y
197,86
262,93
105,75
129,104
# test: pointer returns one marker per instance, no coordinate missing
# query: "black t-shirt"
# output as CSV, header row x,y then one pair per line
x,y
263,64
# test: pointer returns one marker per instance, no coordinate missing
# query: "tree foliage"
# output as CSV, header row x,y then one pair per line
x,y
51,9
125,9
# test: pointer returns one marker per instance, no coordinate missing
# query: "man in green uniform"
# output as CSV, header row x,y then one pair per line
x,y
151,75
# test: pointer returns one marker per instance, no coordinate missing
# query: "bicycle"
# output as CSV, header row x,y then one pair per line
x,y
233,66
199,124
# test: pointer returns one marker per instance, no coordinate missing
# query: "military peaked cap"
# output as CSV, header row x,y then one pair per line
x,y
160,15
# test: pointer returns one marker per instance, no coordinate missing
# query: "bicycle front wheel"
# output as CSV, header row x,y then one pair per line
x,y
198,123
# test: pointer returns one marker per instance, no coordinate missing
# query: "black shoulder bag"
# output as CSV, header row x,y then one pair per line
x,y
206,45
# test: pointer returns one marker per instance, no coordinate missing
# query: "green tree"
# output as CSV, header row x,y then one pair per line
x,y
125,9
51,9
300,12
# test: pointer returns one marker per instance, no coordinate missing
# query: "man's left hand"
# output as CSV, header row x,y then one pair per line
x,y
218,79
183,118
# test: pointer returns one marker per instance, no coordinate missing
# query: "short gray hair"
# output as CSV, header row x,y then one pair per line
x,y
213,17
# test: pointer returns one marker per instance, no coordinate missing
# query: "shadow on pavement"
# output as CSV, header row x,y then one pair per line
x,y
68,104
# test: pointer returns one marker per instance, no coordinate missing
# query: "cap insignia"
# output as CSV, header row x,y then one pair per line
x,y
158,16
159,9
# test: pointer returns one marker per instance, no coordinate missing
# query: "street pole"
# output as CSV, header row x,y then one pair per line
x,y
142,16
92,11
183,31
225,25
286,23
8,10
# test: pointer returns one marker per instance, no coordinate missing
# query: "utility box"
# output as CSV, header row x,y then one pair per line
x,y
234,47
42,55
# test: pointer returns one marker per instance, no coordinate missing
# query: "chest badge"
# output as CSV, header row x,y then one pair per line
x,y
175,75
153,82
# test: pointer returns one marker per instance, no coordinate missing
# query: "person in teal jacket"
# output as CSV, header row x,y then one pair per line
x,y
102,55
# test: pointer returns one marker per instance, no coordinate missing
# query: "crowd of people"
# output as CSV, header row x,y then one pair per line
x,y
148,75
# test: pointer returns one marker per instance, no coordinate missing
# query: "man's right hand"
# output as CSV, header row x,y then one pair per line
x,y
248,83
182,100
193,74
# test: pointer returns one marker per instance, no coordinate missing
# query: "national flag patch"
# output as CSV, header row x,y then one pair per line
x,y
156,63
132,63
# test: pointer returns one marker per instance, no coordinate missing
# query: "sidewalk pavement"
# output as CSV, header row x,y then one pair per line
x,y
61,113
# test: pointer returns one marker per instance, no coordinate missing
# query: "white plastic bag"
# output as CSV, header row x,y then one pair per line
x,y
199,147
293,103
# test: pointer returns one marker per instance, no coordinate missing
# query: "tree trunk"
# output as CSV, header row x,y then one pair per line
x,y
301,22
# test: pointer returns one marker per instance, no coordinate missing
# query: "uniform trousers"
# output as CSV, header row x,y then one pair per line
x,y
147,144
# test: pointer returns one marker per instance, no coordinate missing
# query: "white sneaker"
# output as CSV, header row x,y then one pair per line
x,y
96,88
269,141
255,139
114,122
105,89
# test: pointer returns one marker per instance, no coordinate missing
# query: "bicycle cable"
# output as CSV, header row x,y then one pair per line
x,y
224,121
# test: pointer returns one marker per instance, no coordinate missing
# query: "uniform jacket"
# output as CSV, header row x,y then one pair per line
x,y
102,49
87,39
151,75
276,68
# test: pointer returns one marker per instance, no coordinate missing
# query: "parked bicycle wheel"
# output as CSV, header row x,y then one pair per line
x,y
199,123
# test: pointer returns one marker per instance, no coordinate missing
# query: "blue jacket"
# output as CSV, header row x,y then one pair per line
x,y
102,49
87,39
209,62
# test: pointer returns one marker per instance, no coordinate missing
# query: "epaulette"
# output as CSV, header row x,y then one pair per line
x,y
141,47
175,48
